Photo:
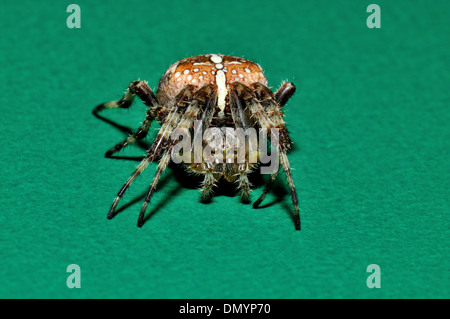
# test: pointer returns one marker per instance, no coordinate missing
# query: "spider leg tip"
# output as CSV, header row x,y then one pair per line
x,y
98,108
111,212
297,224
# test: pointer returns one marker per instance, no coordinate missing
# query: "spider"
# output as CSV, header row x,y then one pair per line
x,y
219,91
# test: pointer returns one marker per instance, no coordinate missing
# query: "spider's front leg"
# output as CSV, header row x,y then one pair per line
x,y
201,98
241,118
244,184
267,189
170,122
209,181
143,91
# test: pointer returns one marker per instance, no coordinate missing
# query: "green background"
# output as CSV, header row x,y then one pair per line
x,y
370,122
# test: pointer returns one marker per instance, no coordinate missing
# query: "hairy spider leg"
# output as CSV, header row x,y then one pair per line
x,y
267,189
187,120
287,170
143,91
272,109
270,105
284,93
170,122
124,103
242,120
244,184
209,181
208,184
268,123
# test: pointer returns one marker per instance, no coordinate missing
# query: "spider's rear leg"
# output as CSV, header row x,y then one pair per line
x,y
207,186
143,91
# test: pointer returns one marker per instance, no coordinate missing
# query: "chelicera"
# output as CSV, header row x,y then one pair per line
x,y
219,91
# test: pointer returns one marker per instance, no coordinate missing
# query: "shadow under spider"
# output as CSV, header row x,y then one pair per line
x,y
192,181
161,202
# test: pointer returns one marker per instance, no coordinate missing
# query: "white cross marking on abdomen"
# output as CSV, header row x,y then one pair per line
x,y
221,83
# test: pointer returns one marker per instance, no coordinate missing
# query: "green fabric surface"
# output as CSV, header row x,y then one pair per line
x,y
370,123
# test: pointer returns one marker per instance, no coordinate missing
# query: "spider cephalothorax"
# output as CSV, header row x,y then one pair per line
x,y
217,95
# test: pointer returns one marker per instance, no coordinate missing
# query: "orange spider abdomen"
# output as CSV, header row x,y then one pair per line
x,y
209,69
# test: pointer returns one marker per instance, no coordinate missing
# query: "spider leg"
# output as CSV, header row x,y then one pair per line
x,y
287,170
274,121
239,113
273,113
142,90
242,120
124,103
243,183
171,120
266,190
284,93
207,116
208,184
165,159
272,105
138,135
200,97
